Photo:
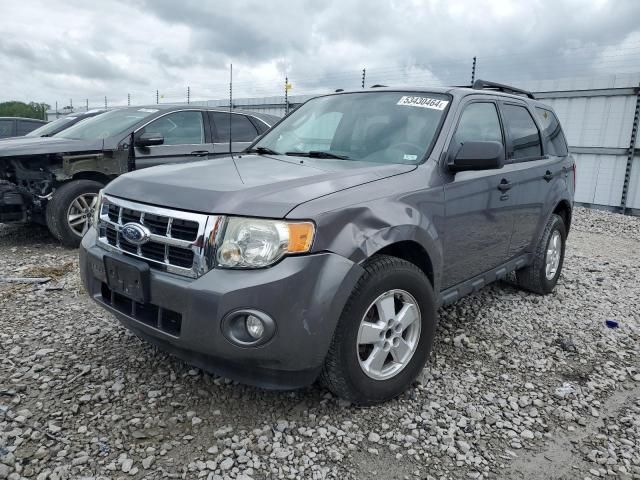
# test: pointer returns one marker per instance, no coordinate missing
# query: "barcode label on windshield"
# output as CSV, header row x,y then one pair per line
x,y
423,102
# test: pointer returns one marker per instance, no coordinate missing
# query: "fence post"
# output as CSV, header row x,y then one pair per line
x,y
631,153
188,95
364,75
157,97
473,71
128,99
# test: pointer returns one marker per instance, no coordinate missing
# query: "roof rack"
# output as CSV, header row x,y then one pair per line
x,y
377,85
485,85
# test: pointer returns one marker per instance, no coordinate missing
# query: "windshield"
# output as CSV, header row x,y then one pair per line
x,y
106,125
51,127
385,127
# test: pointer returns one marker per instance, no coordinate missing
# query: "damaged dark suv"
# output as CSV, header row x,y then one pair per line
x,y
55,180
324,250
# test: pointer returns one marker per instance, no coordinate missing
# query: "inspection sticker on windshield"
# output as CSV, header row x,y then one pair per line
x,y
423,102
147,110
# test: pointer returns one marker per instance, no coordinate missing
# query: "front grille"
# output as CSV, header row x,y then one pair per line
x,y
179,242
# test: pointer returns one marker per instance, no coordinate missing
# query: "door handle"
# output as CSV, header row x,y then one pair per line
x,y
200,153
504,185
548,176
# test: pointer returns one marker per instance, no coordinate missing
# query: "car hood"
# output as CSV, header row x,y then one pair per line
x,y
252,185
42,145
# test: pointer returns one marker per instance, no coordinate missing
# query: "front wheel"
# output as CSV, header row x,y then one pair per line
x,y
384,335
543,273
69,210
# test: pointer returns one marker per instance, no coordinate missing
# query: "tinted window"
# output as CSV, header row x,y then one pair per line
x,y
6,128
179,128
525,138
242,129
25,127
556,144
478,123
384,127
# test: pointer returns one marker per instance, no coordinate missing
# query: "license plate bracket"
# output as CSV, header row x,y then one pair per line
x,y
129,278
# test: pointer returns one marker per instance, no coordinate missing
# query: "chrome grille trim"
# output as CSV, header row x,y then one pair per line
x,y
202,247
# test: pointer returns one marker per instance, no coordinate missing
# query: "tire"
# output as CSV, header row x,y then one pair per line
x,y
342,371
535,277
60,206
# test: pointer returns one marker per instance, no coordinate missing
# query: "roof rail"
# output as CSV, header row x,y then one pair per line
x,y
377,86
485,85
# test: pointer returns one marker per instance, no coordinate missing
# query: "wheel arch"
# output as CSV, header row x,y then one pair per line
x,y
563,209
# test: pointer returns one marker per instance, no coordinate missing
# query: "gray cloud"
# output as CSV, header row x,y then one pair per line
x,y
117,47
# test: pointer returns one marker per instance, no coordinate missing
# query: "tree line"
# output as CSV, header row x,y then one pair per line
x,y
27,110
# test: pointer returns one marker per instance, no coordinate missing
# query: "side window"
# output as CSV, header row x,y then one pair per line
x,y
242,130
6,128
179,128
556,144
525,137
478,123
25,127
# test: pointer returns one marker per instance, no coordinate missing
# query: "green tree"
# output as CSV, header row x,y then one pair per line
x,y
21,109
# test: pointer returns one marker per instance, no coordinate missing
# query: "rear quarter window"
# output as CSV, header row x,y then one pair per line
x,y
555,142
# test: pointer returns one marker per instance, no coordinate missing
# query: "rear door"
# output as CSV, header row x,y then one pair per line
x,y
478,204
534,170
186,138
236,126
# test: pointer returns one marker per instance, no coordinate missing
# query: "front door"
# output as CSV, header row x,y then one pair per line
x,y
185,139
478,204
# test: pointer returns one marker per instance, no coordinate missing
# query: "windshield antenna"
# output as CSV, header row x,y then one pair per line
x,y
230,107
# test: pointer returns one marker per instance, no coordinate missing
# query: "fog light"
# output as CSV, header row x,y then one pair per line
x,y
254,326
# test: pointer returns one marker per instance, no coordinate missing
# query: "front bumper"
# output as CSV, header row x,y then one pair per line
x,y
305,296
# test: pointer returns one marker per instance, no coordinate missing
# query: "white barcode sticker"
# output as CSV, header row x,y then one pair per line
x,y
423,102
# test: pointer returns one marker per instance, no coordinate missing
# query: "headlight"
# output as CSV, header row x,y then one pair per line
x,y
95,215
255,243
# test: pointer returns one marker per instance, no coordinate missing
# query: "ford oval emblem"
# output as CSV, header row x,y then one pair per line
x,y
135,233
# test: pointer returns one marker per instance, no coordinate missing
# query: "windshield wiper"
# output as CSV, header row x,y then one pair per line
x,y
262,151
317,154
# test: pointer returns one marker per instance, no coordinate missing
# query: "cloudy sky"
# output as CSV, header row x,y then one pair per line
x,y
54,50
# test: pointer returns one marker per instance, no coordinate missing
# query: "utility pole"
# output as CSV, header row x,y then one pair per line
x,y
473,71
71,104
87,104
105,102
230,106
364,75
188,95
157,97
286,95
56,109
128,99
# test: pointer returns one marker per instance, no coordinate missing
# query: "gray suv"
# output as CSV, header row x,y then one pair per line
x,y
325,249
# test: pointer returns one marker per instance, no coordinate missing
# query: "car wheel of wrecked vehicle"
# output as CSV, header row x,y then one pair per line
x,y
542,275
69,211
384,335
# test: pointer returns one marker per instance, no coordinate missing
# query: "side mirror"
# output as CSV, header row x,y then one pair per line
x,y
478,156
149,139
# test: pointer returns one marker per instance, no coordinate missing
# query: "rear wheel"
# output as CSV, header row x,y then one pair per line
x,y
384,335
69,211
543,273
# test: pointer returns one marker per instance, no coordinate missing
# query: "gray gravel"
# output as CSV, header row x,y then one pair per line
x,y
519,386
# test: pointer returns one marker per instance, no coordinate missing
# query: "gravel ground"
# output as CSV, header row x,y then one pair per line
x,y
519,386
